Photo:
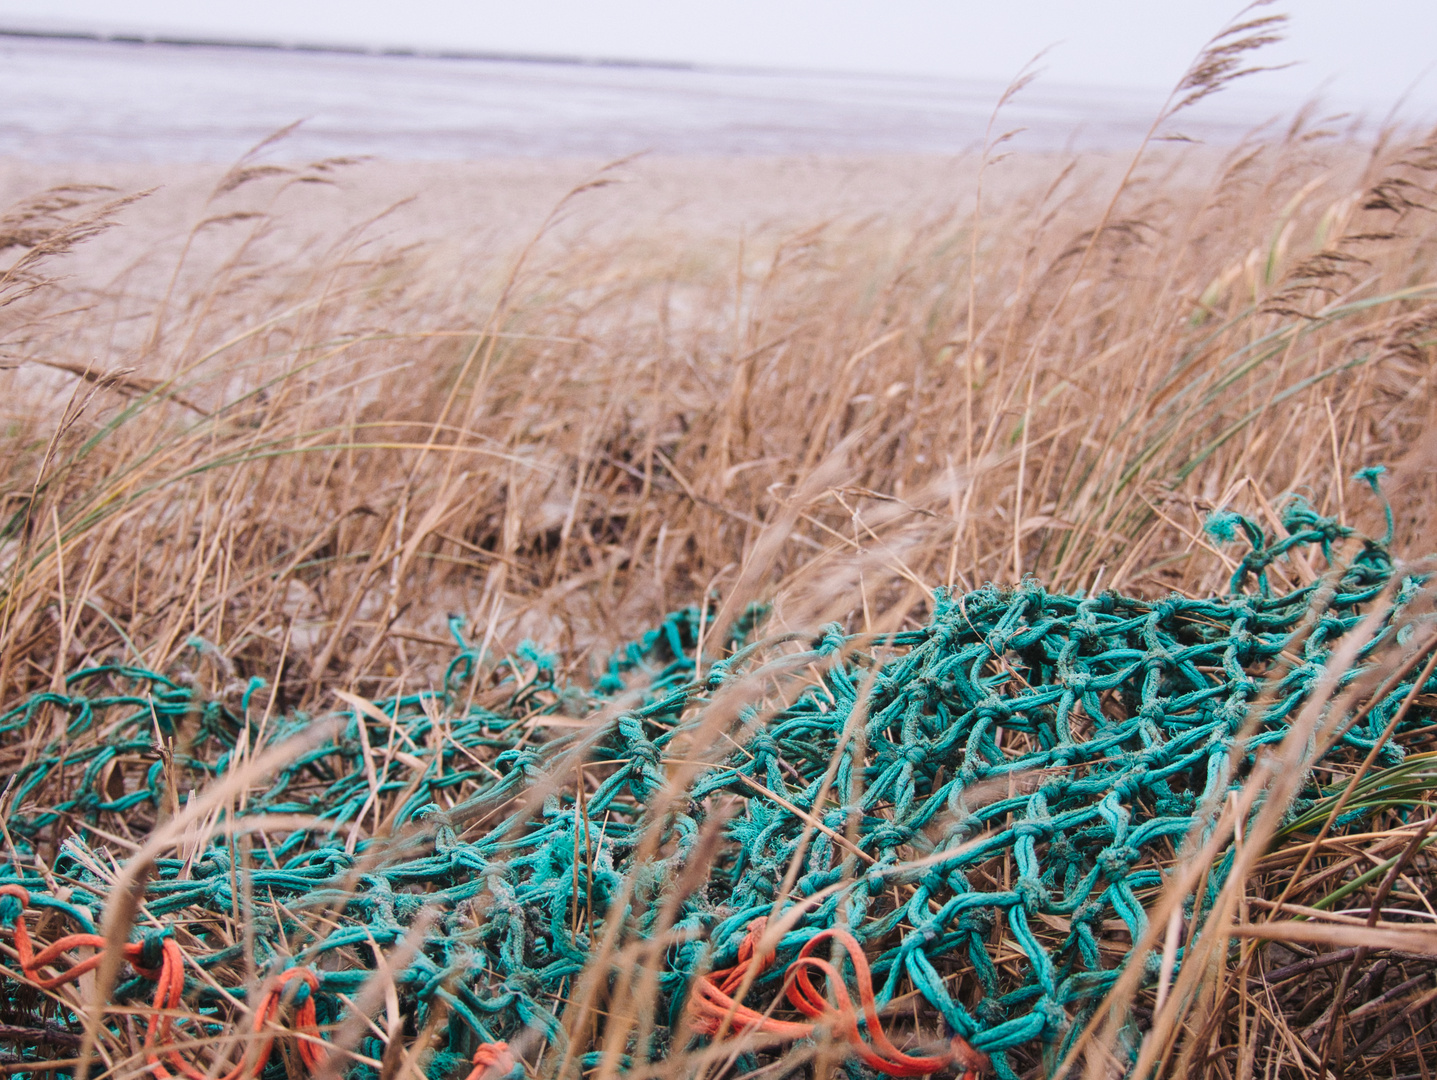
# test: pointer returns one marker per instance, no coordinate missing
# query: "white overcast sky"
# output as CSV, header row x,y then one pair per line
x,y
1356,52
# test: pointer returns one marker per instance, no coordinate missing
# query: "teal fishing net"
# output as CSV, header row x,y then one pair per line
x,y
987,803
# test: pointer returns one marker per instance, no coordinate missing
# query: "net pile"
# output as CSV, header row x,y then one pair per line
x,y
985,804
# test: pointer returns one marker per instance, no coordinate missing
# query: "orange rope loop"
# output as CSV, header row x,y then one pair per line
x,y
713,1009
169,979
492,1061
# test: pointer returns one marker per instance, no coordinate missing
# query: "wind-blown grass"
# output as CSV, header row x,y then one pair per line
x,y
243,455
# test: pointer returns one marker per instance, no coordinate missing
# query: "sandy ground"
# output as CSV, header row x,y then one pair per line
x,y
477,209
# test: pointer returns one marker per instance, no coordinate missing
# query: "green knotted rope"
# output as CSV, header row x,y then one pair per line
x,y
1126,710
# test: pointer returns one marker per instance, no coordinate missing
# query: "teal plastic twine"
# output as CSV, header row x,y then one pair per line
x,y
987,875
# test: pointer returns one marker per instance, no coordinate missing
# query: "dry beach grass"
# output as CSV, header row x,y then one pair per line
x,y
266,411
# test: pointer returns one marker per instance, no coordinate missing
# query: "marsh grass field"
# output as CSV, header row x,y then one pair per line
x,y
282,420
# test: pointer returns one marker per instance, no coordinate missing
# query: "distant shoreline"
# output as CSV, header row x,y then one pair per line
x,y
497,56
190,41
490,56
99,94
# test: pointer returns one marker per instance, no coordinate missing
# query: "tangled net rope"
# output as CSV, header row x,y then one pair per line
x,y
970,816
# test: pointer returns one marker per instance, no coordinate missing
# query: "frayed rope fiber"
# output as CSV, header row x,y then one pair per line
x,y
977,811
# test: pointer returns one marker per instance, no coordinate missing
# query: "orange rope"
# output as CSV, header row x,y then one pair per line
x,y
169,980
712,1008
492,1061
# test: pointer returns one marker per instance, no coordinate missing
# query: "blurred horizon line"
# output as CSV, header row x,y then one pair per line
x,y
84,93
178,40
17,29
